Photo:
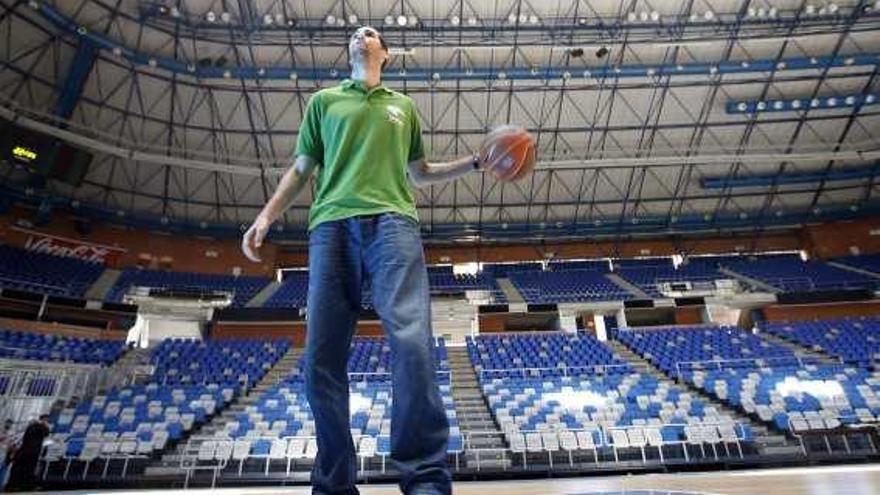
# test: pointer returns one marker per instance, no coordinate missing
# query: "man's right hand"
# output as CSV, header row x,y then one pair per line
x,y
253,238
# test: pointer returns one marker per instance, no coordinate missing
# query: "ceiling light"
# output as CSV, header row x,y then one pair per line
x,y
211,16
643,16
279,19
511,19
330,19
413,20
472,21
225,17
655,16
352,19
709,15
389,20
268,19
401,20
631,17
455,20
533,20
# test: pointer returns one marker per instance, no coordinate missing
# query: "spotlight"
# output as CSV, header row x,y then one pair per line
x,y
401,20
211,16
352,19
455,20
576,52
389,20
226,17
602,51
330,19
268,19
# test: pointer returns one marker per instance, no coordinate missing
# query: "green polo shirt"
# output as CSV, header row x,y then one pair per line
x,y
363,140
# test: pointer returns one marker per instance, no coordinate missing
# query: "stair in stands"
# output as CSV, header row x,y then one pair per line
x,y
800,350
452,319
478,427
767,441
749,281
627,286
264,295
169,464
510,292
126,371
98,291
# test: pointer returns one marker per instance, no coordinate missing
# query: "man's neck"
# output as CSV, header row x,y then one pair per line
x,y
370,77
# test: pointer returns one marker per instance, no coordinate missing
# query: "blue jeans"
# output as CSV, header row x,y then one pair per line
x,y
386,249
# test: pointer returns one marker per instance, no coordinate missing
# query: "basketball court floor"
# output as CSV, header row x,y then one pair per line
x,y
831,480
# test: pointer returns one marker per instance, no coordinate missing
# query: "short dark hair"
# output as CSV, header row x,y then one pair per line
x,y
384,47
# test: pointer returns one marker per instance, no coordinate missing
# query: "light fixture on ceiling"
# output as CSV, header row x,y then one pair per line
x,y
330,19
352,19
211,16
401,20
225,17
389,20
455,20
268,19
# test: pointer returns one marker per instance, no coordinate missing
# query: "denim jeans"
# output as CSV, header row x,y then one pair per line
x,y
387,250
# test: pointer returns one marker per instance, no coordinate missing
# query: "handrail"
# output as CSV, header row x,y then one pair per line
x,y
759,362
566,370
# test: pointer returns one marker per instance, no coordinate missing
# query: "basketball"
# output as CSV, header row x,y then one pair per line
x,y
509,153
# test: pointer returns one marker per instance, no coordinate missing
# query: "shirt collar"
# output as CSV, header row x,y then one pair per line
x,y
358,85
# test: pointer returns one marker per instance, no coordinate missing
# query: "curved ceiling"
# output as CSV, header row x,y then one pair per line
x,y
649,116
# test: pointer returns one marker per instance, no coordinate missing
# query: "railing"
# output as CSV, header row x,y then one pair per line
x,y
719,364
598,369
846,425
31,389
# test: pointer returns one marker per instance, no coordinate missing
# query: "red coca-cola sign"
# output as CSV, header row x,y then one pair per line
x,y
72,248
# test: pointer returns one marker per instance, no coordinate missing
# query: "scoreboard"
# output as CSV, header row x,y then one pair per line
x,y
43,155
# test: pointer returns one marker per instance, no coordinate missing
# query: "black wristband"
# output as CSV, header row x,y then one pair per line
x,y
476,162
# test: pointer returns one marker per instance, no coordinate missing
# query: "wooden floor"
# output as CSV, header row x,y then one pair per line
x,y
832,480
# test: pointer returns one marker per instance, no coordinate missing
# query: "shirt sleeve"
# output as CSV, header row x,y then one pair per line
x,y
309,142
416,149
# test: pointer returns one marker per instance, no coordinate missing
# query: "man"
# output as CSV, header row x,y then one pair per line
x,y
361,140
22,475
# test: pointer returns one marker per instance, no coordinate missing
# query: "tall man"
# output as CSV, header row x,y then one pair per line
x,y
362,140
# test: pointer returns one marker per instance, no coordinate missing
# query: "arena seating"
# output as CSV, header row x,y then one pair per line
x,y
789,273
561,392
46,273
855,340
799,398
243,288
293,291
649,277
551,351
762,378
566,286
282,416
225,362
671,348
42,347
868,262
192,381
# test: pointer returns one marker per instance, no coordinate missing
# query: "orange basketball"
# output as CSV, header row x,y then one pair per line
x,y
509,153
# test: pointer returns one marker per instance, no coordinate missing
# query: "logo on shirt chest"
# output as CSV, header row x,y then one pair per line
x,y
395,115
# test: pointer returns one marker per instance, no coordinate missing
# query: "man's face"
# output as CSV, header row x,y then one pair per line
x,y
365,44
